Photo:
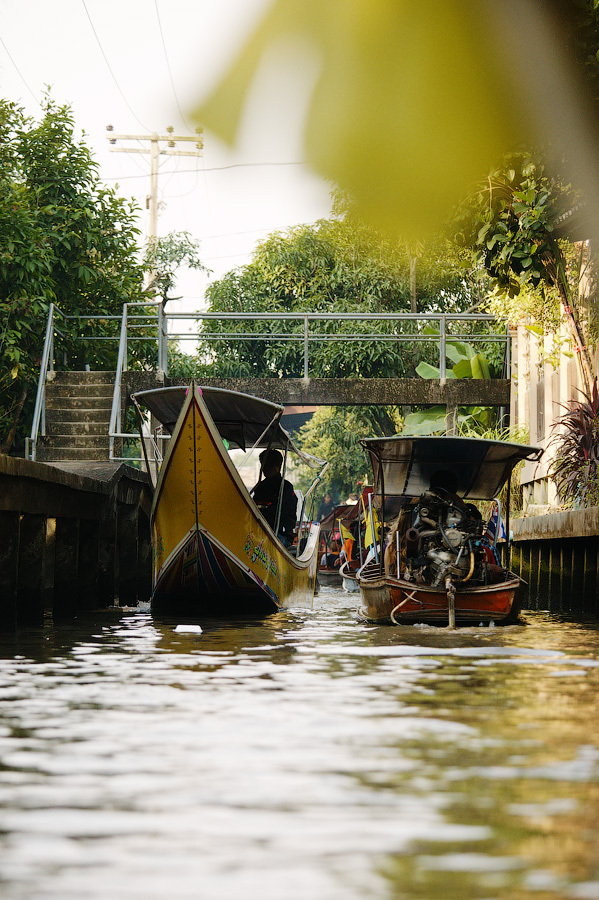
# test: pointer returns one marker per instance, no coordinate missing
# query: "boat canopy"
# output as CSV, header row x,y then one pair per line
x,y
242,420
479,468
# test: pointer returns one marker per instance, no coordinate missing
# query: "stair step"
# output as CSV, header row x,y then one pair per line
x,y
82,402
68,391
64,428
82,378
78,416
51,454
79,442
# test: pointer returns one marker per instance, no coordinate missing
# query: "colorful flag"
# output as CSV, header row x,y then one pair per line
x,y
492,528
345,533
369,538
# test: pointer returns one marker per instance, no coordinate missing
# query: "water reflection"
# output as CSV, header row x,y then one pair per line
x,y
307,754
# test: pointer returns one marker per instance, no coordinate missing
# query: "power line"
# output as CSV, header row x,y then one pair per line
x,y
168,65
211,169
114,78
20,74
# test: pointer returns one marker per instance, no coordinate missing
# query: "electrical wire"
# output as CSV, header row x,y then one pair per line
x,y
109,67
168,66
20,74
213,169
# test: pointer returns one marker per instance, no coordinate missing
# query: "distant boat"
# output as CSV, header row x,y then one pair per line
x,y
214,553
349,580
330,575
440,564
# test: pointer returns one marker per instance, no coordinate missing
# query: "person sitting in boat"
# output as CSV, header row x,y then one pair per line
x,y
326,507
266,496
332,558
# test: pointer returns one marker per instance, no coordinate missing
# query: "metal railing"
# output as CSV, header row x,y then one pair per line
x,y
440,320
158,321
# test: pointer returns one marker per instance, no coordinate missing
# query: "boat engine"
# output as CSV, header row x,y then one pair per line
x,y
446,538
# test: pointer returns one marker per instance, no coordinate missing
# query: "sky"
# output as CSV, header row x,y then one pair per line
x,y
143,65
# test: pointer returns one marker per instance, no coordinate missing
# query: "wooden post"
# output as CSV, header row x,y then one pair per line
x,y
66,573
89,564
9,568
127,549
144,559
107,556
32,544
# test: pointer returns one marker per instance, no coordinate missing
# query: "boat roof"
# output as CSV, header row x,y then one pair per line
x,y
243,420
344,512
479,468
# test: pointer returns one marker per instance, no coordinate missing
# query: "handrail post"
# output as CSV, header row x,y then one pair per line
x,y
162,340
160,318
39,412
306,329
442,350
121,366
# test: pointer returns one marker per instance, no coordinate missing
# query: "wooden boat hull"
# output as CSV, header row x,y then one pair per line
x,y
329,577
389,599
213,552
348,580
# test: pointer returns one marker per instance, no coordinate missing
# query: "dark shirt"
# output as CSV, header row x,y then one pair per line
x,y
324,509
266,496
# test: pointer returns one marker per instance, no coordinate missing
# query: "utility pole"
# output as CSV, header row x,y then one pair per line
x,y
159,145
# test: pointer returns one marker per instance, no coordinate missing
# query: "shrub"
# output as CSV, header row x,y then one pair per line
x,y
576,444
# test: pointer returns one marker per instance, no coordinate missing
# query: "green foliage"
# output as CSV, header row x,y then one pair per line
x,y
333,433
518,434
575,464
510,222
165,255
64,238
468,363
335,266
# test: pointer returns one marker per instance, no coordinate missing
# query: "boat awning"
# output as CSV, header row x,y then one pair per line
x,y
242,420
478,467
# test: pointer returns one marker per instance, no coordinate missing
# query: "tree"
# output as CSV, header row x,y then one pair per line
x,y
165,255
333,433
334,266
511,221
66,239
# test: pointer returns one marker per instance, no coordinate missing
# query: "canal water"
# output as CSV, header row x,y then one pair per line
x,y
308,755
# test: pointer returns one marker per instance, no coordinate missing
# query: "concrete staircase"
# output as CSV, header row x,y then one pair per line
x,y
78,406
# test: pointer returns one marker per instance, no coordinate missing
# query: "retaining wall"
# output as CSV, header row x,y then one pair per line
x,y
557,555
72,536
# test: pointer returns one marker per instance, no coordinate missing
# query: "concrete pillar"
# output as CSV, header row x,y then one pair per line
x,y
9,568
66,573
32,544
127,552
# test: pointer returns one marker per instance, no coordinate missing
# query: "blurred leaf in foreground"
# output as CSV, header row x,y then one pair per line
x,y
412,102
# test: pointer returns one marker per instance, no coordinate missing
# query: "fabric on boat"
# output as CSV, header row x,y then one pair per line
x,y
481,467
241,419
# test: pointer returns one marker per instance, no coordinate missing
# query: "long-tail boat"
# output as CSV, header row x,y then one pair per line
x,y
435,560
214,553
